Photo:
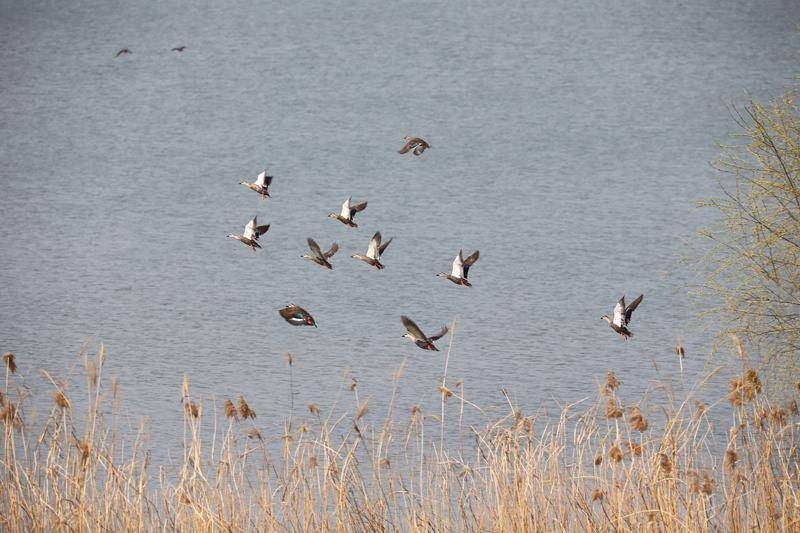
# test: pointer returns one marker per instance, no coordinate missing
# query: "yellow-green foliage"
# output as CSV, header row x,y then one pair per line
x,y
756,252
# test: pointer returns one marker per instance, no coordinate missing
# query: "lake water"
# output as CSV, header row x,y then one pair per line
x,y
569,144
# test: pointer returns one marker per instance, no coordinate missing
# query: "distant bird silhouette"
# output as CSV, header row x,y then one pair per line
x,y
461,269
317,256
414,143
348,212
297,316
179,49
252,231
123,51
420,339
260,185
622,316
374,251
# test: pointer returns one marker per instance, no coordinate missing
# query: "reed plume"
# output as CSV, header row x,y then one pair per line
x,y
11,365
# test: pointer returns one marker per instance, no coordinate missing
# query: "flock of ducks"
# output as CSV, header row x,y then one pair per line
x,y
297,316
123,51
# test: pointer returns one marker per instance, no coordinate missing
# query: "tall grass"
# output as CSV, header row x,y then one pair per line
x,y
609,466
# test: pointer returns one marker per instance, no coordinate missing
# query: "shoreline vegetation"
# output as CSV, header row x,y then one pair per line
x,y
652,465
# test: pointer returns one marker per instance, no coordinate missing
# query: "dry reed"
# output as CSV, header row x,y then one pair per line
x,y
515,473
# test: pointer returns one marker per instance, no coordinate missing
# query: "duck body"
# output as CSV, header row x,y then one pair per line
x,y
426,345
252,243
346,221
297,316
369,260
458,281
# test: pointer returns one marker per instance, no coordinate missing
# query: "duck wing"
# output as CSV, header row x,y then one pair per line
x,y
250,229
458,265
356,208
619,312
442,332
291,311
632,307
413,329
383,247
333,250
410,143
373,251
312,244
469,261
263,180
346,208
261,230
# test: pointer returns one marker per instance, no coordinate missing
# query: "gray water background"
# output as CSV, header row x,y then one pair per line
x,y
569,144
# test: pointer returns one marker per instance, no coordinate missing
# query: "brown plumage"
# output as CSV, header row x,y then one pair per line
x,y
317,256
123,51
260,184
374,251
414,143
252,232
348,212
420,339
461,268
297,316
622,316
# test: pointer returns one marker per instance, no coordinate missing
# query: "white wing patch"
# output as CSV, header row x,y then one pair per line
x,y
346,209
262,178
458,266
374,244
619,312
250,229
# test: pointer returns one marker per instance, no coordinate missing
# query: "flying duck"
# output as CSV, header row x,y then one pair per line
x,y
317,256
622,316
179,49
348,212
123,51
260,185
461,269
414,143
419,338
297,316
252,231
374,251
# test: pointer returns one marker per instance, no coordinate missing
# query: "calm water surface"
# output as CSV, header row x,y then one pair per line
x,y
569,143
